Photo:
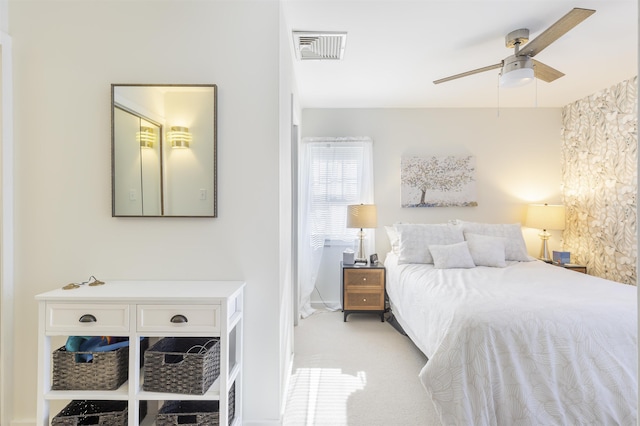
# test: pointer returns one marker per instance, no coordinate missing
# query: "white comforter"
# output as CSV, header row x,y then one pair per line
x,y
529,344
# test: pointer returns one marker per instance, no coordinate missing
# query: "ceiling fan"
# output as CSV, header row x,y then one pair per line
x,y
520,68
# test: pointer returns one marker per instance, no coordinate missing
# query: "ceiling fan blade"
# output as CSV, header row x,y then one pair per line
x,y
555,31
545,72
464,74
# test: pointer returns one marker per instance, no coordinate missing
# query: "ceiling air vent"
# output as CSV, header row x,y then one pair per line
x,y
324,45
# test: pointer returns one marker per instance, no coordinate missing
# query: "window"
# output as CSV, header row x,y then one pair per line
x,y
334,182
334,172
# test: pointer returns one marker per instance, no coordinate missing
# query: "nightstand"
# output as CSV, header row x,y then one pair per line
x,y
363,289
574,267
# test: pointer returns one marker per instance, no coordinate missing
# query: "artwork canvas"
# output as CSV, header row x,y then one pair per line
x,y
438,181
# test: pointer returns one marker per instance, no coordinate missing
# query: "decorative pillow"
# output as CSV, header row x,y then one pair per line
x,y
415,240
394,238
451,256
515,248
486,250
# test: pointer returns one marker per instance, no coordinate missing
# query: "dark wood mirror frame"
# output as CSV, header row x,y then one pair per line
x,y
164,150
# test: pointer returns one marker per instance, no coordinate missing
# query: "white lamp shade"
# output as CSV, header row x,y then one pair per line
x,y
545,216
362,216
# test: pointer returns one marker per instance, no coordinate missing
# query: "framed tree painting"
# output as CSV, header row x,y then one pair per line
x,y
438,181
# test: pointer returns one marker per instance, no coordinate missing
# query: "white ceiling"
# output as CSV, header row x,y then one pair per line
x,y
395,49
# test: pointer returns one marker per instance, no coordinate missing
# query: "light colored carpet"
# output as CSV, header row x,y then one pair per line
x,y
362,372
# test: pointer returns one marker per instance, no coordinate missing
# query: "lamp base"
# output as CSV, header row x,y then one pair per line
x,y
360,257
544,250
360,261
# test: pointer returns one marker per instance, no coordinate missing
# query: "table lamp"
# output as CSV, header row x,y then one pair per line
x,y
361,216
545,216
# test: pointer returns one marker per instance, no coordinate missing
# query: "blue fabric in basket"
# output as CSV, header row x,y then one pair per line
x,y
94,344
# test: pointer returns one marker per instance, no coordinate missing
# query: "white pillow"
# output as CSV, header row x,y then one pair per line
x,y
394,238
515,248
451,256
415,240
486,250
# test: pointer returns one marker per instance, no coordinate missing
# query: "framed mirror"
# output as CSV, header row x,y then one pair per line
x,y
163,150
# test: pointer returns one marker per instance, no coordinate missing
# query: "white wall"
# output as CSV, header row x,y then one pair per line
x,y
66,55
517,159
289,115
6,223
326,293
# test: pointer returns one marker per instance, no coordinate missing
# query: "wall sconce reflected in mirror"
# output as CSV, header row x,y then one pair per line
x,y
146,137
179,137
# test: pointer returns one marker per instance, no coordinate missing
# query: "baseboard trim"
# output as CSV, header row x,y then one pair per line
x,y
332,305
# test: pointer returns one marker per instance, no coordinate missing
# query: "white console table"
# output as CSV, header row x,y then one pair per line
x,y
138,309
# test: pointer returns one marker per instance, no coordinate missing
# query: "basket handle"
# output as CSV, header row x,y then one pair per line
x,y
179,319
172,358
88,318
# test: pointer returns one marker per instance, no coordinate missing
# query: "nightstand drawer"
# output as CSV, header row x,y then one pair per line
x,y
179,318
572,267
364,300
577,268
87,318
363,277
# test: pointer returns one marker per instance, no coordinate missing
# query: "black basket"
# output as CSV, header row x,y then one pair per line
x,y
187,365
106,371
103,413
194,413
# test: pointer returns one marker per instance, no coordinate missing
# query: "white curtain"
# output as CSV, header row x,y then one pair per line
x,y
334,173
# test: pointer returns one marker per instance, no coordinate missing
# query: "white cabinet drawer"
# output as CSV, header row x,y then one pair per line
x,y
89,318
178,318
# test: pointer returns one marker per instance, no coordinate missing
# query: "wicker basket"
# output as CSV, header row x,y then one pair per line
x,y
192,413
106,371
182,365
103,413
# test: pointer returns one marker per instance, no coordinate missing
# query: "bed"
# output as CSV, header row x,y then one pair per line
x,y
521,342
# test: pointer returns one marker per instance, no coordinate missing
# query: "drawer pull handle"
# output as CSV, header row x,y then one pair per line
x,y
364,299
88,318
179,319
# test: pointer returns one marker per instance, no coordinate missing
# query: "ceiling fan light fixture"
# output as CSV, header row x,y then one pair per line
x,y
516,78
517,71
